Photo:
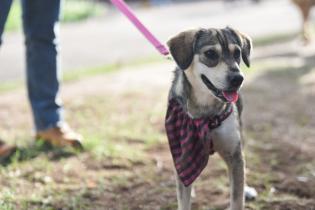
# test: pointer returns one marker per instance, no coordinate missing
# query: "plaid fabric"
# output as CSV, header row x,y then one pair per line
x,y
187,140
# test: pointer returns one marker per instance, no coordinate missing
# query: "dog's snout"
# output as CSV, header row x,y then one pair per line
x,y
236,80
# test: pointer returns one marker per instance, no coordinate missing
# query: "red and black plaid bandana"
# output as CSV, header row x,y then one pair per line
x,y
188,140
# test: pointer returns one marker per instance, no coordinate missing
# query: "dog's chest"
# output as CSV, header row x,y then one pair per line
x,y
226,137
190,140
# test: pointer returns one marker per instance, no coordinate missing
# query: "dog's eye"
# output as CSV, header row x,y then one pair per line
x,y
212,54
237,54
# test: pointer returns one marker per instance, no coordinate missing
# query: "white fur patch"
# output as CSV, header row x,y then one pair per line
x,y
227,137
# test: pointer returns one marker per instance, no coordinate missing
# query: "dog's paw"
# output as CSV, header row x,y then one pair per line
x,y
250,193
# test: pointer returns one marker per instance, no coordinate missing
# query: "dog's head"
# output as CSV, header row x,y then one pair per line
x,y
211,58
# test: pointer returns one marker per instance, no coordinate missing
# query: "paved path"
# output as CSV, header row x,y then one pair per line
x,y
111,38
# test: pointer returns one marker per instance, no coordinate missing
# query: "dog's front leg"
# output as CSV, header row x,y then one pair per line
x,y
183,195
236,168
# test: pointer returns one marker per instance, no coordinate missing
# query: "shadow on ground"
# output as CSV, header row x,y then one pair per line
x,y
36,149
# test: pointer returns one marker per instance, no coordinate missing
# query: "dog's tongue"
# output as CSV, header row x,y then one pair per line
x,y
230,96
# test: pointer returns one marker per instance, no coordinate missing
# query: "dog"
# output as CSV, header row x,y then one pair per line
x,y
305,7
204,107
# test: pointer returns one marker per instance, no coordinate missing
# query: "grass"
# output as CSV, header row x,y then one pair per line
x,y
8,86
14,19
77,74
124,141
279,38
72,11
274,39
119,122
116,134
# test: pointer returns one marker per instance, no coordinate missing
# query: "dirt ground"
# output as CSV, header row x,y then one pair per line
x,y
127,164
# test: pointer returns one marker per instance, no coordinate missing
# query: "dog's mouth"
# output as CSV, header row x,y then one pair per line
x,y
230,96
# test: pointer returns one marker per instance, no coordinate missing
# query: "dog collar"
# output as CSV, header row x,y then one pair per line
x,y
188,140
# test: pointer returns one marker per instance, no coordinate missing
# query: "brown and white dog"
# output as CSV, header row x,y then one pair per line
x,y
305,7
207,81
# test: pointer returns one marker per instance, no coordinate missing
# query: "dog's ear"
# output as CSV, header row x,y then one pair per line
x,y
245,43
181,48
246,48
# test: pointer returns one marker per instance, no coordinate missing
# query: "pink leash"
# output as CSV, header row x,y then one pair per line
x,y
124,8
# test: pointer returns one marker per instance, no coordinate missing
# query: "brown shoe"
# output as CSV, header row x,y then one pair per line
x,y
61,136
6,150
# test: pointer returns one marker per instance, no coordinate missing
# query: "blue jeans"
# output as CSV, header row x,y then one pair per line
x,y
40,24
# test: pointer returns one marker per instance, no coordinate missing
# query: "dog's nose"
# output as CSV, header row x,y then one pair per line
x,y
236,80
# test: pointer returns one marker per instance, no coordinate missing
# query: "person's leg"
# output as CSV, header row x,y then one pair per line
x,y
40,24
5,150
40,19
